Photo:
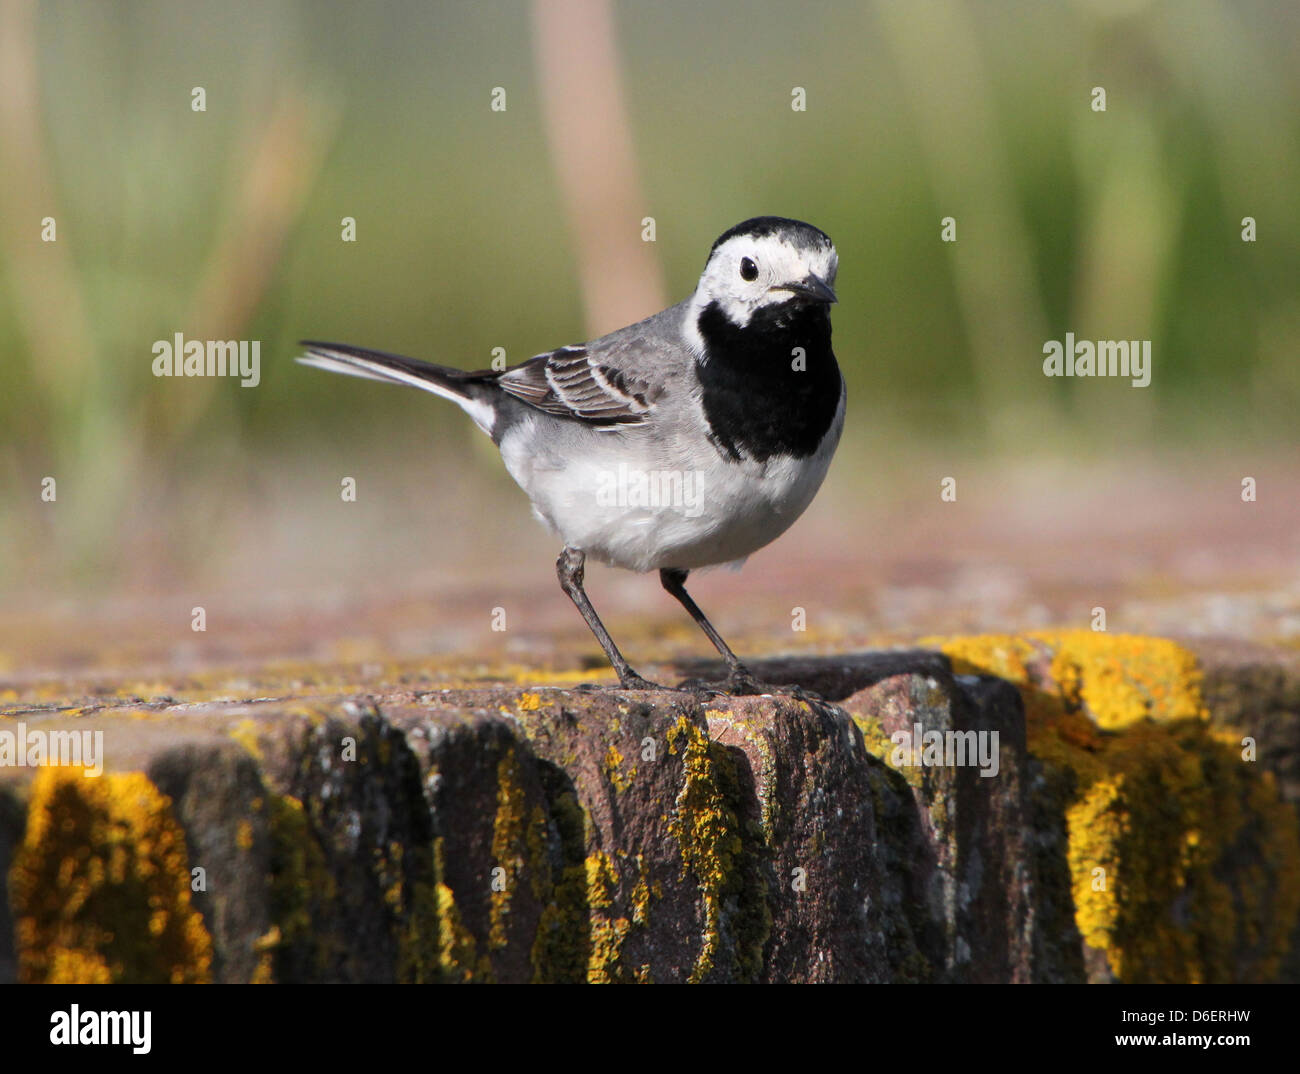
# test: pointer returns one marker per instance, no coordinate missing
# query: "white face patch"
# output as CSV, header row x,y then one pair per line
x,y
777,261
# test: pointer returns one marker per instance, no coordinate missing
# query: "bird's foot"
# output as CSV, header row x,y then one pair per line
x,y
740,683
633,681
703,690
743,683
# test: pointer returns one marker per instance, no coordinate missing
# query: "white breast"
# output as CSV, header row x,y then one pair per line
x,y
642,501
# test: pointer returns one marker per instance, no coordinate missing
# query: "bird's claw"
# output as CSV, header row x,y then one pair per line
x,y
702,689
636,682
743,683
740,683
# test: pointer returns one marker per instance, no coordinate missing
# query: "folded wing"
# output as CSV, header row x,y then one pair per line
x,y
569,383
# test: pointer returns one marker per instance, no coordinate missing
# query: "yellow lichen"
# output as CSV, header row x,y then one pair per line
x,y
458,950
77,967
614,769
1120,679
508,845
101,884
882,747
561,950
458,958
641,893
265,947
245,733
607,936
602,878
705,824
1113,680
1183,857
1097,827
604,964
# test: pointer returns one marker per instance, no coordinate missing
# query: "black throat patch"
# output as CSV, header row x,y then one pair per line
x,y
758,402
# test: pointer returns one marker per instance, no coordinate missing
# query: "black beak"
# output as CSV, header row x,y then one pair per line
x,y
811,288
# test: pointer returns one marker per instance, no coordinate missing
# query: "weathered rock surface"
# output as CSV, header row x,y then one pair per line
x,y
570,834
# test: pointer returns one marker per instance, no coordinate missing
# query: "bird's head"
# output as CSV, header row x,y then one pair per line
x,y
766,263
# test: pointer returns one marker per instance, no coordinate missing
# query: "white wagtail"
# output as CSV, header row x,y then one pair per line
x,y
690,439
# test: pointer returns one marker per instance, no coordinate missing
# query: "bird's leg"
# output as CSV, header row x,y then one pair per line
x,y
570,568
739,678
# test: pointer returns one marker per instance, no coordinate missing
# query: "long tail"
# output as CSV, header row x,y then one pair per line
x,y
469,391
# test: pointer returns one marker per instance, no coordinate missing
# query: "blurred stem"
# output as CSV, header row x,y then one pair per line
x,y
277,161
591,147
940,67
50,309
1131,213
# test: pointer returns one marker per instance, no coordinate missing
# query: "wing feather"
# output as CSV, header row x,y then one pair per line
x,y
570,383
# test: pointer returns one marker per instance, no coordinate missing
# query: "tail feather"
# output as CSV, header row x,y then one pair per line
x,y
465,390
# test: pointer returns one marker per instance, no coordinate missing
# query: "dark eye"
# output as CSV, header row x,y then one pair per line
x,y
748,270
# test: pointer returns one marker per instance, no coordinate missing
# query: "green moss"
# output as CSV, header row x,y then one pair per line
x,y
100,885
562,948
413,900
596,904
420,949
301,887
510,848
769,804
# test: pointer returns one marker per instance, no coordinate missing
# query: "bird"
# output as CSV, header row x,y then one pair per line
x,y
690,439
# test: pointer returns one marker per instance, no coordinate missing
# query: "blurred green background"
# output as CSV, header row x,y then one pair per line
x,y
226,224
